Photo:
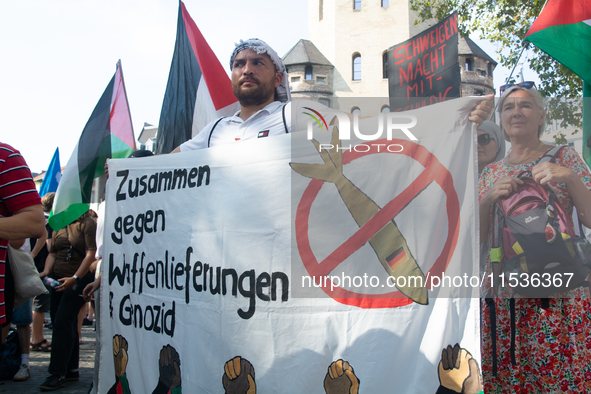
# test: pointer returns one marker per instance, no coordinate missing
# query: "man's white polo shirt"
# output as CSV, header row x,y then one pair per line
x,y
274,119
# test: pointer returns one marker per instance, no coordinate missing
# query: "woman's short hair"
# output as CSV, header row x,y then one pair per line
x,y
47,201
538,99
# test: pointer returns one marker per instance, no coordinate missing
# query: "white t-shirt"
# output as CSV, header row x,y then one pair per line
x,y
274,119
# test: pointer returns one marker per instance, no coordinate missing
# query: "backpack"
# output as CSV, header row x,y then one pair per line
x,y
11,356
534,242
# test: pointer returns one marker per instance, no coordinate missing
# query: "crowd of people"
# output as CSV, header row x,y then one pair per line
x,y
528,345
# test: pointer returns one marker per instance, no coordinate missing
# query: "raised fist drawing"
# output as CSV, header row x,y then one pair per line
x,y
239,377
169,367
341,379
458,371
120,355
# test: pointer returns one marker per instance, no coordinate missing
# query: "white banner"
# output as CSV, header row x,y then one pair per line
x,y
244,268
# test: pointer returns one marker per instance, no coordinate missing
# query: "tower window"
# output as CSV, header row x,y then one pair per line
x,y
385,3
308,73
469,66
490,69
356,4
357,67
320,10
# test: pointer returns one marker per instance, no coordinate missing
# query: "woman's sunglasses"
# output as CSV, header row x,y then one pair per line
x,y
525,85
483,139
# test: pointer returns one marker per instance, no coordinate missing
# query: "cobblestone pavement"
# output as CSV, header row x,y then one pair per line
x,y
40,361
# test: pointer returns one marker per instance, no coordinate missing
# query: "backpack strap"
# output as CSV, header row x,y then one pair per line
x,y
497,239
284,121
512,314
212,129
551,155
492,311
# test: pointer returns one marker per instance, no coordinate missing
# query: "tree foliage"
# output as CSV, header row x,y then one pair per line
x,y
506,22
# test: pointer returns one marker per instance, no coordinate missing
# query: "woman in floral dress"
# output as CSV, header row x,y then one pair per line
x,y
552,346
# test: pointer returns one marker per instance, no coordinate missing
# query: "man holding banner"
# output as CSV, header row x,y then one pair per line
x,y
260,83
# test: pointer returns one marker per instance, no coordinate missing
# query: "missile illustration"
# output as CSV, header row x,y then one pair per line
x,y
388,243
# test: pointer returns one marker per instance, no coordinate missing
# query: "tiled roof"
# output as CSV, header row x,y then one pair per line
x,y
305,52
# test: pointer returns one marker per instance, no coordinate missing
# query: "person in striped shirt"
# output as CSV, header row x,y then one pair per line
x,y
21,216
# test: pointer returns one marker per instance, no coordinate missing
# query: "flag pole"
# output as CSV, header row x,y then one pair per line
x,y
587,122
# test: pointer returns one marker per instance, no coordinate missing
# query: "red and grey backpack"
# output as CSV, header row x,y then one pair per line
x,y
540,254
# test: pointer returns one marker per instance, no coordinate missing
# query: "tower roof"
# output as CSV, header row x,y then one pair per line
x,y
305,52
468,47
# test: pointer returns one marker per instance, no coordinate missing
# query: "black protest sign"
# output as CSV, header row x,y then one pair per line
x,y
424,69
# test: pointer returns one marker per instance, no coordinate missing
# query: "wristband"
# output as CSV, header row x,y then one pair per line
x,y
76,277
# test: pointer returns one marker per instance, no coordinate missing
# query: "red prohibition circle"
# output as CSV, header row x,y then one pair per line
x,y
434,171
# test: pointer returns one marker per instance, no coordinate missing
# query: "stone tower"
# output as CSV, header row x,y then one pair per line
x,y
354,35
310,73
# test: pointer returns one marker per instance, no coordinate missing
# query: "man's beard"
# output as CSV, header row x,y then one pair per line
x,y
253,97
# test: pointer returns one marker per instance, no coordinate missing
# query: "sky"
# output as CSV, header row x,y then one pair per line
x,y
59,55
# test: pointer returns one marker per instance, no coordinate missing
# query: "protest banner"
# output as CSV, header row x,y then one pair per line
x,y
221,265
424,69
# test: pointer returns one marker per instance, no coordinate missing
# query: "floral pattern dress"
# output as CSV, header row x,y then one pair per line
x,y
552,345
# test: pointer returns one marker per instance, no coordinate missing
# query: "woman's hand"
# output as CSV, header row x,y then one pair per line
x,y
482,111
550,172
502,188
66,284
90,289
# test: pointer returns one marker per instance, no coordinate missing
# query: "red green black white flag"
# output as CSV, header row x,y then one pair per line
x,y
198,89
107,134
563,30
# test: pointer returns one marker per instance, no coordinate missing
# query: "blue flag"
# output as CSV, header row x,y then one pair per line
x,y
52,176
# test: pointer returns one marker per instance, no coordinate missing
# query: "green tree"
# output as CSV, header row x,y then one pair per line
x,y
506,22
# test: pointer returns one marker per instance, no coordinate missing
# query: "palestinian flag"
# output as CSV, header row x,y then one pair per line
x,y
198,88
107,134
563,31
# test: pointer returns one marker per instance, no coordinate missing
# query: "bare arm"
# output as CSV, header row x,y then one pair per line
x,y
49,261
39,244
17,243
28,222
177,149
